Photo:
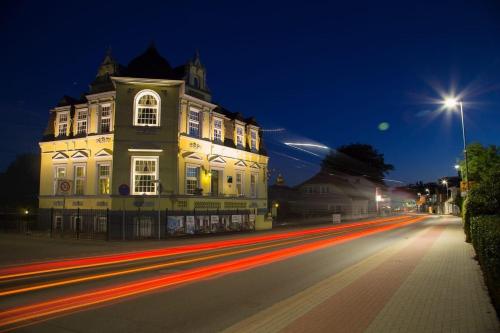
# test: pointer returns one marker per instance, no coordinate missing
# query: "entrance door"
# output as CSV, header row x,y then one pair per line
x,y
215,182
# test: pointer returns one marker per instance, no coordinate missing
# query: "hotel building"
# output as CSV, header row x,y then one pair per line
x,y
148,136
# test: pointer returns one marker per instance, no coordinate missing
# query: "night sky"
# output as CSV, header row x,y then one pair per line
x,y
326,74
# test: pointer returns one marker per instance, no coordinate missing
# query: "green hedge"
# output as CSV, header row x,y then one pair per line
x,y
485,232
466,220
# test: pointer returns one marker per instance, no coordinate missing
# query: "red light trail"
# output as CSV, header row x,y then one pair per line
x,y
23,315
76,263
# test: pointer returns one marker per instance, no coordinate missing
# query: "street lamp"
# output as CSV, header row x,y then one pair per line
x,y
445,183
451,103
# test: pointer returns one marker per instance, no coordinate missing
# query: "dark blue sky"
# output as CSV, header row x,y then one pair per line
x,y
326,73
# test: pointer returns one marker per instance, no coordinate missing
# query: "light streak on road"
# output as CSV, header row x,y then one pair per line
x,y
150,267
59,306
78,263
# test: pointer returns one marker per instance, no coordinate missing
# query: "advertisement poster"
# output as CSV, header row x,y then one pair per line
x,y
174,224
190,226
214,222
236,218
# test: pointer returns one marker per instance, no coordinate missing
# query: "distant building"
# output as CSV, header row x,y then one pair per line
x,y
153,129
325,194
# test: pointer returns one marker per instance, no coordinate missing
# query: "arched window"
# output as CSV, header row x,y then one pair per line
x,y
196,82
147,108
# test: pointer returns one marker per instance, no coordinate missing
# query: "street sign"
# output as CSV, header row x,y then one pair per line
x,y
124,189
63,186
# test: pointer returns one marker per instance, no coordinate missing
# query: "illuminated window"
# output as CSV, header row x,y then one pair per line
x,y
253,139
59,173
253,185
62,127
217,129
79,181
192,179
144,175
239,184
147,108
239,136
104,178
105,126
194,122
81,122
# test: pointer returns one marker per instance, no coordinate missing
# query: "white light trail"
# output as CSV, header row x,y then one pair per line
x,y
300,144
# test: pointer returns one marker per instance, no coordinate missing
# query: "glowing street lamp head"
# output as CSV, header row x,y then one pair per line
x,y
457,166
444,182
450,102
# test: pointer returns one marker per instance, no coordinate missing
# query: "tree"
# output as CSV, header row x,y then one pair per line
x,y
482,161
358,160
20,182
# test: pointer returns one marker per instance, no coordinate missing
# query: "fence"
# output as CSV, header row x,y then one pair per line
x,y
141,224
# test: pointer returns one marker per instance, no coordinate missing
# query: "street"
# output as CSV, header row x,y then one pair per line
x,y
232,283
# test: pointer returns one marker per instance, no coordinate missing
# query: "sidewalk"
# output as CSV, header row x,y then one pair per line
x,y
427,283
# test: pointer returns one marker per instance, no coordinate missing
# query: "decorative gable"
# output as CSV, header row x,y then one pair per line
x,y
255,165
79,154
193,156
60,156
240,163
104,153
217,159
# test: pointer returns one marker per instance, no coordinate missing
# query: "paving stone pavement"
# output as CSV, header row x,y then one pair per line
x,y
433,284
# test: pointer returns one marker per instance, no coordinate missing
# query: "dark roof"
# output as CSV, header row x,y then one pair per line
x,y
150,64
235,115
338,182
66,101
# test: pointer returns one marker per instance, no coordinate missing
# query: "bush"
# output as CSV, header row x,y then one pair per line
x,y
466,220
485,232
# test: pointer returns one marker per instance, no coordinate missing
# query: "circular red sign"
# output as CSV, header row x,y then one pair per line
x,y
64,186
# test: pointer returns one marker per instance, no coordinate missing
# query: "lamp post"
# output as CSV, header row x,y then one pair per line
x,y
451,103
445,183
158,187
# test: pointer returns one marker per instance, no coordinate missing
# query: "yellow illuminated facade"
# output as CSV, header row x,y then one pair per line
x,y
152,129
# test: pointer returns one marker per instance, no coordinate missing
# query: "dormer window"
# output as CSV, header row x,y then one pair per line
x,y
253,139
105,126
239,136
81,122
147,108
194,122
62,124
196,82
218,129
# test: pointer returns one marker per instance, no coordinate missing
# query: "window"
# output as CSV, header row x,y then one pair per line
x,y
144,174
147,108
59,173
81,122
253,185
79,182
215,179
103,178
239,184
239,136
62,127
218,129
194,122
196,82
253,139
192,179
105,119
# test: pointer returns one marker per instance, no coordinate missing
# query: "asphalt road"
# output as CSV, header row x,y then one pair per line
x,y
195,288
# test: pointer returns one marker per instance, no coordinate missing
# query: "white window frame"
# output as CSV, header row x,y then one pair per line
x,y
198,180
133,173
241,183
77,178
108,118
82,117
65,123
254,188
196,123
253,139
240,137
158,107
99,177
217,134
56,175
